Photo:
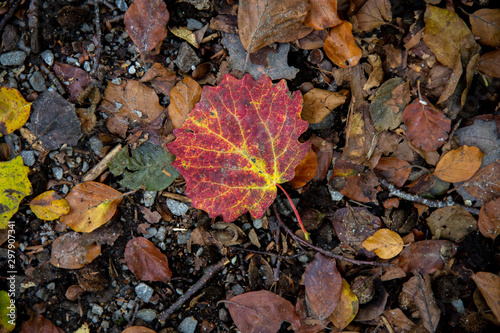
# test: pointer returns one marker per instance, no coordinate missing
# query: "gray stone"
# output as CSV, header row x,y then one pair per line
x,y
97,309
188,325
177,208
257,223
187,58
105,324
149,198
183,238
148,315
58,172
237,289
48,57
121,5
28,157
37,81
96,145
193,24
51,286
13,58
161,233
144,292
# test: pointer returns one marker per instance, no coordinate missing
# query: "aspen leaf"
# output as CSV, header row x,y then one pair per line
x,y
49,206
183,97
146,261
92,204
489,219
340,46
394,169
14,110
459,165
489,285
346,309
385,243
373,14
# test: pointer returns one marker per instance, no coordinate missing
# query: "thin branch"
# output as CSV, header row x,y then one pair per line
x,y
13,7
97,38
265,253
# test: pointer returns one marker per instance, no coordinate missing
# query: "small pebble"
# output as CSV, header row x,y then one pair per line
x,y
37,81
183,238
188,325
48,57
91,48
186,58
237,289
144,292
108,37
151,232
148,315
51,286
72,61
177,208
193,24
28,157
131,70
121,5
58,172
85,28
105,324
13,58
161,233
97,309
149,198
86,66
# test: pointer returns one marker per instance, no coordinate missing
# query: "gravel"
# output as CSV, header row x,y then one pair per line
x,y
148,315
58,172
177,208
149,198
144,292
13,58
37,81
48,57
97,309
188,325
28,157
186,58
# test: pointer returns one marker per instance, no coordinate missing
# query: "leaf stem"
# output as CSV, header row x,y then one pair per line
x,y
306,234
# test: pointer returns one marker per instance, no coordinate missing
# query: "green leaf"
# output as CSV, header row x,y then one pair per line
x,y
7,313
14,186
149,166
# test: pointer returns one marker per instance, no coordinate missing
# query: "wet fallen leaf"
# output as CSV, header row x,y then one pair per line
x,y
373,14
146,261
75,79
261,312
393,169
323,285
39,324
226,149
227,233
183,98
53,120
489,285
485,24
427,127
452,223
489,63
161,78
14,110
92,204
322,14
426,256
346,309
388,104
385,243
138,329
263,22
186,34
485,184
146,23
489,219
399,320
459,165
319,103
419,289
14,186
377,73
7,309
341,47
72,251
305,170
49,206
483,135
130,104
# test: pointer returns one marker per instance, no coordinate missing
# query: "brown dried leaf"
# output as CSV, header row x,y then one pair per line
x,y
393,169
70,251
305,170
183,98
323,285
319,103
420,291
452,223
387,106
373,14
377,73
489,63
75,79
489,219
398,319
263,22
485,24
322,14
485,184
426,256
341,47
161,78
489,285
261,312
145,260
138,329
427,127
146,23
39,324
459,165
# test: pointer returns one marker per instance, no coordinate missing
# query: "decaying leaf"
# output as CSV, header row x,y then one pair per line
x,y
388,104
395,170
319,103
385,243
14,110
138,329
459,165
373,14
377,73
7,306
183,98
261,312
489,285
346,309
75,79
485,184
38,324
14,186
483,135
452,223
146,261
419,289
426,256
489,219
161,78
427,127
146,23
305,170
92,204
49,206
489,63
341,47
236,146
322,14
263,22
72,251
485,24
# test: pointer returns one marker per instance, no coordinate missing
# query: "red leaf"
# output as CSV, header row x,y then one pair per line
x,y
261,312
323,285
394,169
146,261
237,144
427,127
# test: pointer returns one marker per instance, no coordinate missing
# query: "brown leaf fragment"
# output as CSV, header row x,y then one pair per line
x,y
387,106
322,14
489,219
305,170
489,63
146,23
489,285
485,184
75,79
427,127
319,103
373,14
341,47
485,24
419,289
347,307
146,261
426,256
452,223
69,251
261,312
138,329
161,78
323,285
183,98
395,170
314,40
39,324
377,73
225,23
263,22
399,320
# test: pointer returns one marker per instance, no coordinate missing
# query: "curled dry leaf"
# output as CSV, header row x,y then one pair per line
x,y
92,204
72,251
146,261
489,219
319,103
138,329
305,170
49,206
263,22
14,110
489,285
146,23
419,289
427,127
341,47
459,165
426,256
451,223
322,14
485,24
373,14
161,78
385,243
485,184
261,312
183,97
346,309
323,285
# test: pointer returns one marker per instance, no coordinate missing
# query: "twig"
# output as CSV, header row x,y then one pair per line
x,y
116,18
53,78
320,250
393,191
175,196
265,253
209,273
97,38
102,165
33,26
14,5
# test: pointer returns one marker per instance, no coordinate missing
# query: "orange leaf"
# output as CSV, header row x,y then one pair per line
x,y
183,98
340,46
323,14
489,285
346,309
385,243
146,261
305,170
489,219
459,165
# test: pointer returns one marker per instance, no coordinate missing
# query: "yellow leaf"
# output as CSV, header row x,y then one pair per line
x,y
14,186
347,308
14,110
459,165
83,329
186,34
385,243
49,206
92,204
